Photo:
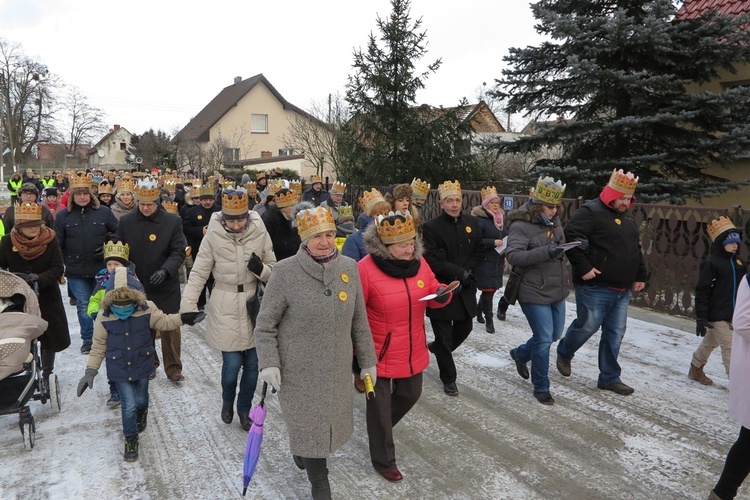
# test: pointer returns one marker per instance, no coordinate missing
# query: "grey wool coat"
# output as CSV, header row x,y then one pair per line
x,y
311,317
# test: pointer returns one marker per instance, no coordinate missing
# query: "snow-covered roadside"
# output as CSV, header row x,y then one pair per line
x,y
668,440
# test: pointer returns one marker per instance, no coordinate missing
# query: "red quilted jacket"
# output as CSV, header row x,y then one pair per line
x,y
397,317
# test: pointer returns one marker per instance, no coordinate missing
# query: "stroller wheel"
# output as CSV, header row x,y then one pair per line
x,y
54,392
28,428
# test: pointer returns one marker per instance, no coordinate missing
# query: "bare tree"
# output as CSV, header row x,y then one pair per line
x,y
84,123
510,122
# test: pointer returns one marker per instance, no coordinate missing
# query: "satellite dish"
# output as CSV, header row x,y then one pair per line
x,y
100,153
139,160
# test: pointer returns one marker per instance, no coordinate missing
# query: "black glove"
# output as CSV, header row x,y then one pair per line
x,y
158,277
584,246
700,327
192,318
87,381
554,251
467,279
444,298
255,265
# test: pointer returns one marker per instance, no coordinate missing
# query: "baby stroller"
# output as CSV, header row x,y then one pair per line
x,y
21,377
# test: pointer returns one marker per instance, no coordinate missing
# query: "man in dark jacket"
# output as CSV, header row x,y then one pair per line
x,y
157,248
195,225
453,249
278,221
82,230
604,276
315,194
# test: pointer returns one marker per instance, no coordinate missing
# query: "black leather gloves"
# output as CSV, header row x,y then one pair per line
x,y
192,318
554,251
444,298
255,265
584,246
159,277
467,279
700,327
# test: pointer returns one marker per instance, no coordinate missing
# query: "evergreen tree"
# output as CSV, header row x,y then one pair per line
x,y
615,75
389,139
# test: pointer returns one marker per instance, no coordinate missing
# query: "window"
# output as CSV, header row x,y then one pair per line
x,y
123,146
286,152
260,124
231,154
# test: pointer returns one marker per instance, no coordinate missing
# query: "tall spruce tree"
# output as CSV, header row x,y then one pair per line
x,y
389,139
613,83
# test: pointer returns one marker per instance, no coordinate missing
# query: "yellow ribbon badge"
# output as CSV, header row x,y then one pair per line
x,y
199,217
618,221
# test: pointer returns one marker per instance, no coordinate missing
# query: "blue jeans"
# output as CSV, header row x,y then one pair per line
x,y
546,322
134,396
598,306
82,289
232,362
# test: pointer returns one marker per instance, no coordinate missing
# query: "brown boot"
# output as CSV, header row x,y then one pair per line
x,y
696,373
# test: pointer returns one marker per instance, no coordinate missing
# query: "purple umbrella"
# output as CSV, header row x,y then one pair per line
x,y
254,439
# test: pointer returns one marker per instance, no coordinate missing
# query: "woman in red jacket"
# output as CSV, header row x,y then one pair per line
x,y
395,277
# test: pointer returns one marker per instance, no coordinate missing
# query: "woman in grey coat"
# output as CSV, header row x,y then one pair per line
x,y
312,316
534,250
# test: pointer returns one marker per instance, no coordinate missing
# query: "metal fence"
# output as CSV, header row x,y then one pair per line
x,y
674,241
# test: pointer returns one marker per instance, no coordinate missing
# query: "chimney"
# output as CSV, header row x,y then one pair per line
x,y
237,79
266,154
117,127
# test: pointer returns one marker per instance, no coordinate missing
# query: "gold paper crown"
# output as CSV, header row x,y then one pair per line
x,y
346,211
549,191
449,188
170,206
314,221
117,250
260,175
105,187
147,191
207,191
27,212
719,226
274,186
286,199
296,186
489,192
368,200
315,178
227,184
125,186
279,170
80,180
396,228
237,204
622,182
252,188
170,185
420,189
338,188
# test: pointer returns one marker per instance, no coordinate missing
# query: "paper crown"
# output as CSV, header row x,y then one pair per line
x,y
170,206
236,204
489,192
296,186
279,170
117,250
252,188
125,186
227,185
719,226
369,199
449,188
338,188
170,185
420,189
315,178
346,211
548,191
105,188
622,182
79,180
146,190
274,186
314,221
286,199
207,191
27,212
396,228
260,175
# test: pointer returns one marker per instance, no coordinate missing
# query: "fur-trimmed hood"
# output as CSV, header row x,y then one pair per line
x,y
123,286
300,206
479,211
375,246
93,204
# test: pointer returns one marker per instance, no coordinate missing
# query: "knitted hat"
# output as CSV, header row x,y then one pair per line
x,y
50,191
28,187
732,237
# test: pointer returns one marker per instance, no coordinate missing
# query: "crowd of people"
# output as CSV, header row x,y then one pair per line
x,y
299,294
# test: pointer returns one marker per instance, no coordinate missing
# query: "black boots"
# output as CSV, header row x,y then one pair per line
x,y
502,307
245,420
226,413
131,448
480,318
141,418
486,304
317,474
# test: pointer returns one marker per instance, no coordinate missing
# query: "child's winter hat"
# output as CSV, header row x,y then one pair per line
x,y
123,288
118,251
720,226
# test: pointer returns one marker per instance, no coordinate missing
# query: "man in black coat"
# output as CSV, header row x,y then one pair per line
x,y
278,221
453,249
315,194
194,226
157,248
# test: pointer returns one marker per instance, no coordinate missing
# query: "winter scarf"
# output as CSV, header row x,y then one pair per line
x,y
322,259
496,217
31,249
396,268
122,205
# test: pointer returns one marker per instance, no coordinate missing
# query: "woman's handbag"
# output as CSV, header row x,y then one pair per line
x,y
253,305
513,285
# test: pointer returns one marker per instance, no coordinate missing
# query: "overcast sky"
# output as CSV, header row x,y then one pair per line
x,y
157,63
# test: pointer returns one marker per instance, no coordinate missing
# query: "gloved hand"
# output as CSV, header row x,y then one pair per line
x,y
467,279
444,298
191,318
272,376
159,277
255,265
700,327
372,372
86,381
554,251
584,243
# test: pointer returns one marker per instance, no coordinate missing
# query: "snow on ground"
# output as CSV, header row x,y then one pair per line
x,y
668,440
